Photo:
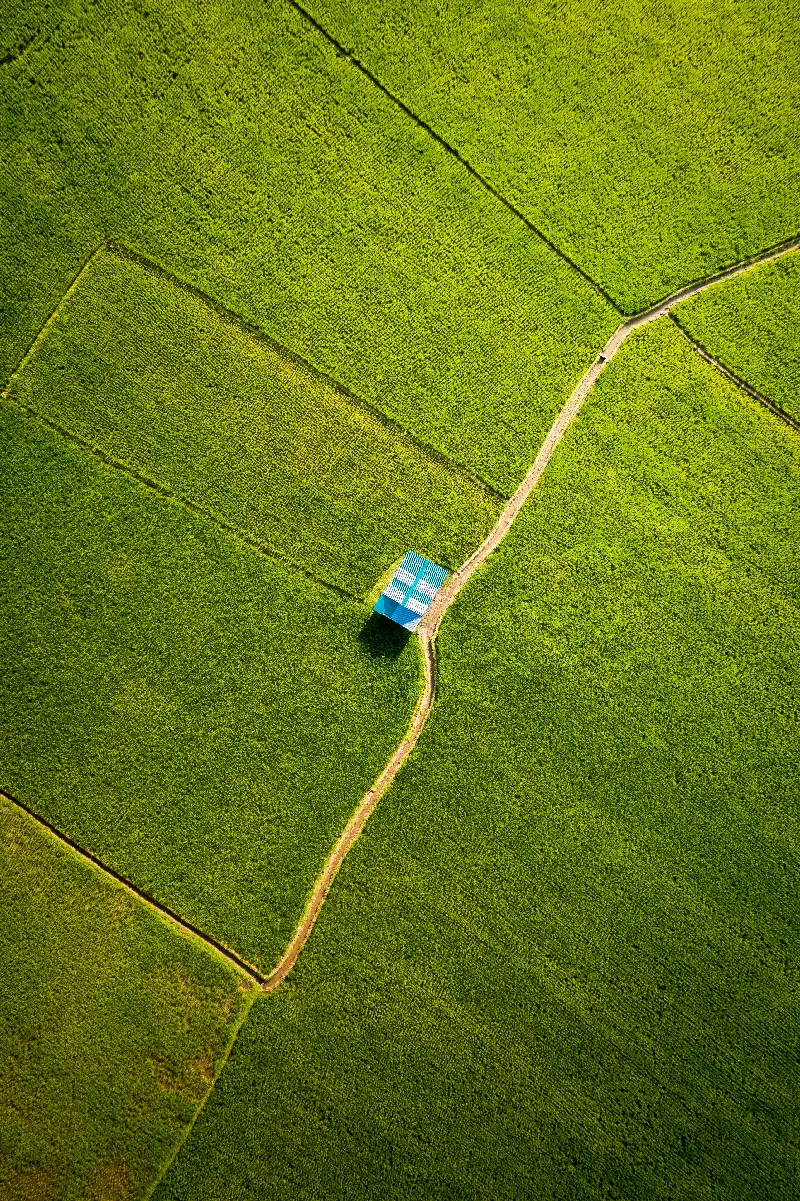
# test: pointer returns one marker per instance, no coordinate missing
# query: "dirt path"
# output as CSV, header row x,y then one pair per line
x,y
429,627
359,819
430,624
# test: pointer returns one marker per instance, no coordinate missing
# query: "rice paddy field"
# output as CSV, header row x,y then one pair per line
x,y
286,293
166,687
562,960
242,153
653,143
139,369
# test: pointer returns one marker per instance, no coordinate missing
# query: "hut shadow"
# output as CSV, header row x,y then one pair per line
x,y
381,638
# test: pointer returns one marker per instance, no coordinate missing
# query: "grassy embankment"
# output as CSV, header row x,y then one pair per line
x,y
247,157
562,960
156,378
653,143
113,1026
752,325
197,715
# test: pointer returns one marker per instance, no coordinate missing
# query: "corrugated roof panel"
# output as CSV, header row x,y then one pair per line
x,y
414,585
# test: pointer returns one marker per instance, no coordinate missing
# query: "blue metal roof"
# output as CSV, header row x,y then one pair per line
x,y
413,587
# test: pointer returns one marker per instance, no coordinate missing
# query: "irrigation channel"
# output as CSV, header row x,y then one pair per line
x,y
428,628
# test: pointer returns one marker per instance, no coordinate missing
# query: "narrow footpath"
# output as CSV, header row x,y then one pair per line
x,y
428,628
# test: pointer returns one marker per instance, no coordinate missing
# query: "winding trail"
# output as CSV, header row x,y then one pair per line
x,y
428,628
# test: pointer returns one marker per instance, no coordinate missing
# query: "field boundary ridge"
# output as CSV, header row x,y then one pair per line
x,y
233,1029
13,56
430,624
733,377
21,49
342,52
51,318
185,926
260,337
185,502
121,251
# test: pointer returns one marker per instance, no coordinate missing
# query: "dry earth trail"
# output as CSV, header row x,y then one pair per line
x,y
430,624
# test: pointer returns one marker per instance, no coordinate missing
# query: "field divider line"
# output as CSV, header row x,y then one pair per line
x,y
49,321
733,377
430,624
19,51
13,56
261,338
167,494
119,250
342,52
233,1030
186,927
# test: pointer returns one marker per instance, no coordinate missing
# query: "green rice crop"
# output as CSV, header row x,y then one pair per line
x,y
113,1026
751,323
242,153
159,380
195,714
652,143
562,959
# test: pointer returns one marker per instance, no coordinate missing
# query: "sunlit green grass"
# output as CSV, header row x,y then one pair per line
x,y
197,715
562,960
158,379
241,152
653,143
752,324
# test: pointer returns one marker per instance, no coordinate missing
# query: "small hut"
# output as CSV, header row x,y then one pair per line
x,y
413,587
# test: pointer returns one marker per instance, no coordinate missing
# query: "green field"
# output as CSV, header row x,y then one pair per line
x,y
653,143
156,378
752,325
113,1026
193,713
247,157
562,960
282,296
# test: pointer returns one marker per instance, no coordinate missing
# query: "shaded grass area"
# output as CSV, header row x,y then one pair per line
x,y
21,24
196,715
157,379
113,1026
752,325
653,143
247,157
563,959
